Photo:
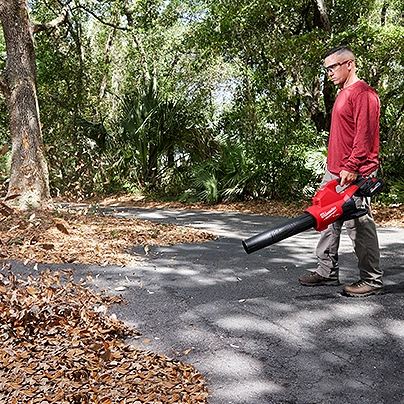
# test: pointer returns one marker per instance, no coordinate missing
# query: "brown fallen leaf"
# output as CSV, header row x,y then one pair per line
x,y
10,197
33,240
61,225
5,210
4,149
47,246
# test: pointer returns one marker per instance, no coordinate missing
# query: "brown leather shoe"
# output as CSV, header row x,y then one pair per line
x,y
314,279
362,289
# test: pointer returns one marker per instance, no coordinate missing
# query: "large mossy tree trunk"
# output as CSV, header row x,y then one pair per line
x,y
29,172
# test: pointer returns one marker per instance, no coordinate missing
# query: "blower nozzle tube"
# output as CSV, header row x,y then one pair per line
x,y
290,228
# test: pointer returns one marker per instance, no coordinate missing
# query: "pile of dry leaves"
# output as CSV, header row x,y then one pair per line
x,y
58,345
79,237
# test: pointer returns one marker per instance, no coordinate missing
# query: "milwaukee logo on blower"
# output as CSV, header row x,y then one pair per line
x,y
326,215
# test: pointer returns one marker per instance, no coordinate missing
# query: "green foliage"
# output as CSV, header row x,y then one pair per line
x,y
4,170
155,139
282,171
223,177
283,93
223,99
396,194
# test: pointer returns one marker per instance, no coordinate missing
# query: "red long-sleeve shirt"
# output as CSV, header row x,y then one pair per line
x,y
354,134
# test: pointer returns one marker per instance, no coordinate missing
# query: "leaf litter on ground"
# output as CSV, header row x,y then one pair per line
x,y
59,345
57,342
76,236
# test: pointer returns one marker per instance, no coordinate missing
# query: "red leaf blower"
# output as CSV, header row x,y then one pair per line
x,y
328,206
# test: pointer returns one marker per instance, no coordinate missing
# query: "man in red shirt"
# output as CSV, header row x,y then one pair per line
x,y
353,150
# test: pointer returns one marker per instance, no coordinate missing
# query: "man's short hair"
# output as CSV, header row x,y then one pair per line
x,y
339,50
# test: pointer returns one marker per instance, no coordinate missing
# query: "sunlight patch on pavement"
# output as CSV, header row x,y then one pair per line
x,y
364,332
288,331
355,310
248,389
396,328
227,367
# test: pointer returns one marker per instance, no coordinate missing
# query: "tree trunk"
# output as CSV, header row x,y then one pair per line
x,y
29,172
321,19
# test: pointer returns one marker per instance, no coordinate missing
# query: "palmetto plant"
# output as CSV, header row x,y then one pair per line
x,y
224,177
156,136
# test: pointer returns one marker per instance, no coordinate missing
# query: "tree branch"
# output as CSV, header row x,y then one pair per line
x,y
101,20
52,24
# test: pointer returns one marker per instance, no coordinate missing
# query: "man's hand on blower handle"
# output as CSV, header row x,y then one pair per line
x,y
347,177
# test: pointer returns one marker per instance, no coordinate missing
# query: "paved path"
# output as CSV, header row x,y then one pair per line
x,y
250,328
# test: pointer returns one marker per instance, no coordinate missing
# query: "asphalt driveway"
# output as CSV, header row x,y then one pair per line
x,y
249,327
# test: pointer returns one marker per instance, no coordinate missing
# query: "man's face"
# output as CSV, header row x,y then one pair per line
x,y
338,67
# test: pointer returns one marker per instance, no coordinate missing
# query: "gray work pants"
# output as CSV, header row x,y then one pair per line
x,y
362,232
